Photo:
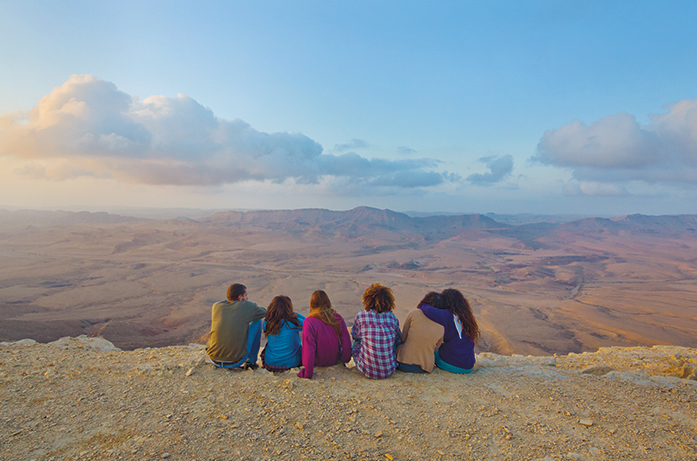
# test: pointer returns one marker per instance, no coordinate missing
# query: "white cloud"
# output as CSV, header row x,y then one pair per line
x,y
87,127
618,148
594,189
499,168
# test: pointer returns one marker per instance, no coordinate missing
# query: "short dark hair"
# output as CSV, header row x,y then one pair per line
x,y
432,299
378,298
234,292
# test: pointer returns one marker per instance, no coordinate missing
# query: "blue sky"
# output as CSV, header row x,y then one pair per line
x,y
543,107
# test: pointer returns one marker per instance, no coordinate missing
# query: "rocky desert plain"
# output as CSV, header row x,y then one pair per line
x,y
588,349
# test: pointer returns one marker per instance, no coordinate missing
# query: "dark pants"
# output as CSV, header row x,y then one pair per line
x,y
409,368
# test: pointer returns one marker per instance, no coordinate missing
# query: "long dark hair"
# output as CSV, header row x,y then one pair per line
x,y
433,299
454,302
321,308
280,309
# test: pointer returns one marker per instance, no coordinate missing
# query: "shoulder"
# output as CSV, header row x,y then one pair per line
x,y
388,316
432,312
221,304
247,305
311,322
416,314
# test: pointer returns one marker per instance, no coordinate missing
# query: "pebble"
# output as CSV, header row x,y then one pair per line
x,y
586,422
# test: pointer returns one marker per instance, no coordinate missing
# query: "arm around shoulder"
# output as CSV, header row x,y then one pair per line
x,y
432,313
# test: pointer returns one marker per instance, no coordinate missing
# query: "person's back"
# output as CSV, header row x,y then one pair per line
x,y
283,349
456,354
376,334
422,337
229,340
326,340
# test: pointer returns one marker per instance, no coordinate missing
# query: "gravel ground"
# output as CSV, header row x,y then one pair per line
x,y
81,398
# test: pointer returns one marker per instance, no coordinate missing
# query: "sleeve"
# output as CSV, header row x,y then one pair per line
x,y
258,313
407,324
345,343
301,321
356,329
398,332
309,348
432,313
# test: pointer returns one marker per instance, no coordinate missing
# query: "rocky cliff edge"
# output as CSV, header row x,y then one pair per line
x,y
82,398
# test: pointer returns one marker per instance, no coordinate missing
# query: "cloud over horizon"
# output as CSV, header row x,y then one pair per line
x,y
499,168
618,148
88,127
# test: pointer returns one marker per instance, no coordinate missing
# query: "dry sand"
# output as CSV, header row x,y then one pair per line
x,y
82,398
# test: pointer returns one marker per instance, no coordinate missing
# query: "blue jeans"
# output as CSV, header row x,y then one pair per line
x,y
253,344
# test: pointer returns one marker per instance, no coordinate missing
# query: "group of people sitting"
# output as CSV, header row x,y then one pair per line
x,y
441,331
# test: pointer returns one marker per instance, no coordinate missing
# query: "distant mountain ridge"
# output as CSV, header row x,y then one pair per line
x,y
355,221
61,217
363,220
635,223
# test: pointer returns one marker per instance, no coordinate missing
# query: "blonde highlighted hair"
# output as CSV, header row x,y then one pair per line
x,y
321,308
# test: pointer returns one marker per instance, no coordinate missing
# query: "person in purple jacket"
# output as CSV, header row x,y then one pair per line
x,y
456,354
326,339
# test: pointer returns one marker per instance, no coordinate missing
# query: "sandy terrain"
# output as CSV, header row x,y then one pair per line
x,y
534,291
84,399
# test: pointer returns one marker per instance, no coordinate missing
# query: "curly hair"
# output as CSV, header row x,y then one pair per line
x,y
456,303
321,308
280,310
432,298
378,298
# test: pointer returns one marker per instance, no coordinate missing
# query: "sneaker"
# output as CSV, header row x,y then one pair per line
x,y
248,366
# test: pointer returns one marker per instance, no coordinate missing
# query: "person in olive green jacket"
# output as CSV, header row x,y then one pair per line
x,y
235,330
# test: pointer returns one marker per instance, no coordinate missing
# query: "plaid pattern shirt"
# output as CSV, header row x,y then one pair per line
x,y
375,338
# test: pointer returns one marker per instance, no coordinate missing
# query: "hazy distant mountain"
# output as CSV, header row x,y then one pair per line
x,y
528,218
60,217
366,220
636,223
358,221
512,219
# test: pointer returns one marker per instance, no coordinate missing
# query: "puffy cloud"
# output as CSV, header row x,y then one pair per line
x,y
87,127
619,148
499,168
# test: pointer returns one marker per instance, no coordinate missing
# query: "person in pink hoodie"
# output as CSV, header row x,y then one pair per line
x,y
326,339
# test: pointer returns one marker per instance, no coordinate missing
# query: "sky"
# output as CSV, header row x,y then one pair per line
x,y
541,107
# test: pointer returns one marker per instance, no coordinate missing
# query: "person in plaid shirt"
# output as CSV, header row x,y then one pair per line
x,y
376,334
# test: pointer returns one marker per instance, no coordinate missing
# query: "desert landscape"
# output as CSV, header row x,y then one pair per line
x,y
537,288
